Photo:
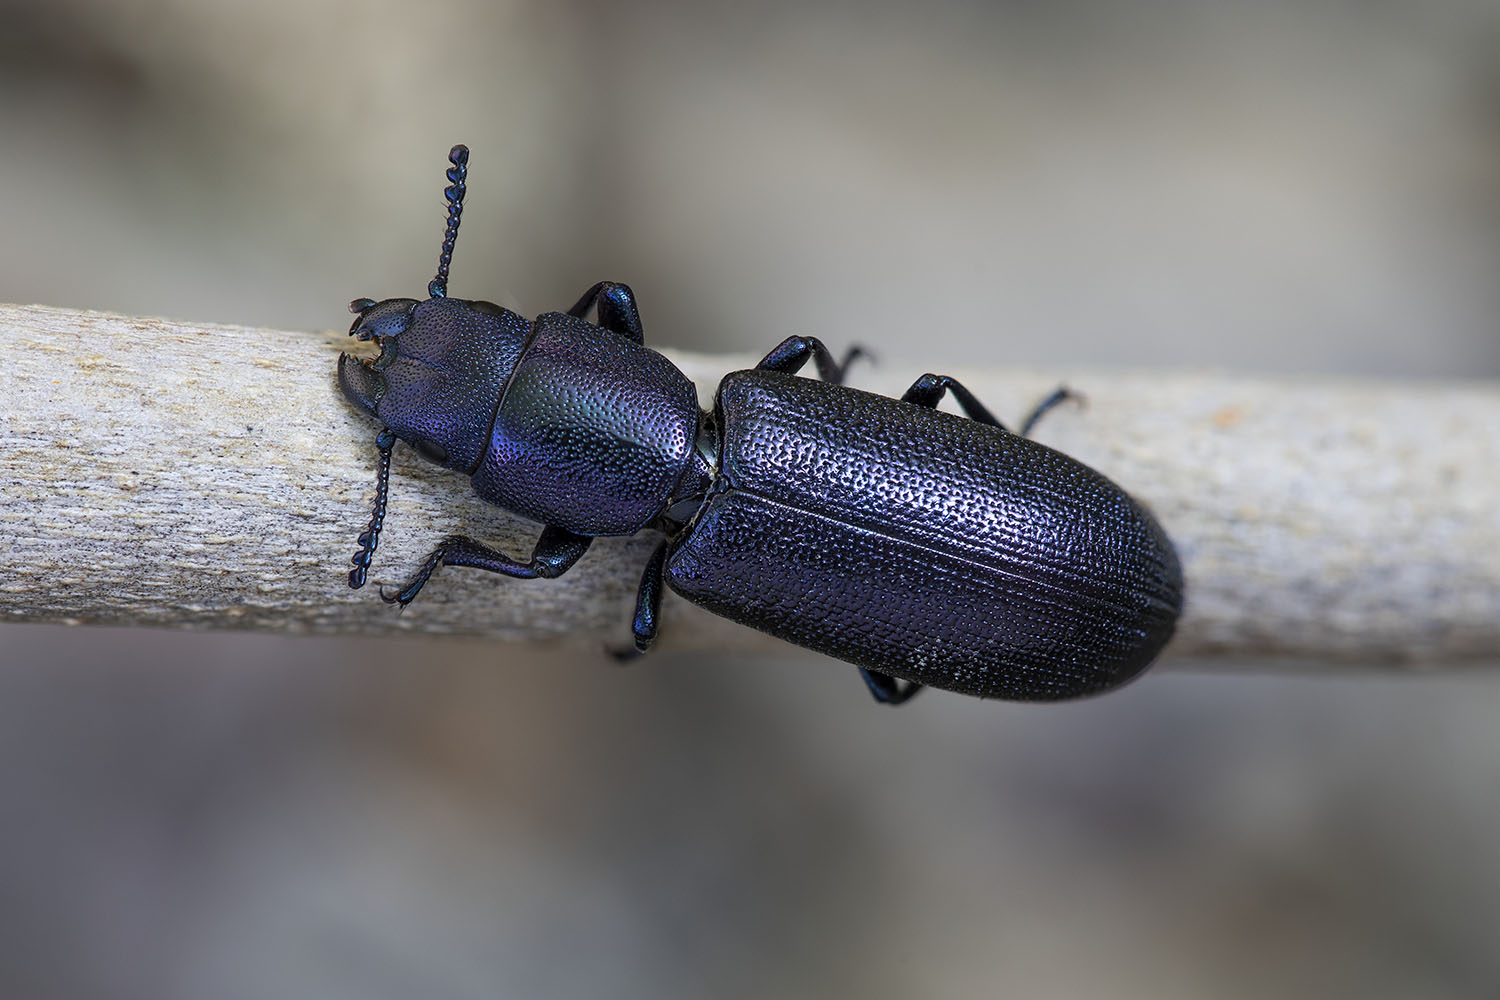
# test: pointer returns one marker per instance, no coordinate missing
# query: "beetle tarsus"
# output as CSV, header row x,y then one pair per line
x,y
1062,394
854,352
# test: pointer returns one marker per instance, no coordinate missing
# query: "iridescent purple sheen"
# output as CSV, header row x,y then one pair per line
x,y
924,545
909,541
443,366
595,433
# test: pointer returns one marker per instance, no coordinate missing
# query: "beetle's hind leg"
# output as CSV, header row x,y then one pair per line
x,y
1059,395
617,309
555,552
929,390
792,353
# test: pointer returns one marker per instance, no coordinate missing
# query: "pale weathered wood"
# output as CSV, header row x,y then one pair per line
x,y
156,472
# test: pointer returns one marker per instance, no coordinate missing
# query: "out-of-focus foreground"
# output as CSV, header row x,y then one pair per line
x,y
1260,187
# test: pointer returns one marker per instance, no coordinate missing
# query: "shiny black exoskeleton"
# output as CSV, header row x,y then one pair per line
x,y
921,546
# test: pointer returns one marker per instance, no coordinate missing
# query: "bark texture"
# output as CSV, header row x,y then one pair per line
x,y
162,473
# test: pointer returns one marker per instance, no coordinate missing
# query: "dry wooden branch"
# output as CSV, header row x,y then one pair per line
x,y
154,472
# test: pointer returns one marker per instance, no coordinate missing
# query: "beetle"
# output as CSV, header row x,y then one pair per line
x,y
924,547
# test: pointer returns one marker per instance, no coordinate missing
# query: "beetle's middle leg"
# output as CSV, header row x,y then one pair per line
x,y
792,353
617,309
644,625
556,551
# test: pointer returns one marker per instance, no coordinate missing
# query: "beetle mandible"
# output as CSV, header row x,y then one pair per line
x,y
926,548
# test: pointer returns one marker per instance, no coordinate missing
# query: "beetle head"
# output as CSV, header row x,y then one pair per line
x,y
442,368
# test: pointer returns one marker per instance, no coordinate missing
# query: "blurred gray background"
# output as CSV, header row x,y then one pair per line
x,y
1273,187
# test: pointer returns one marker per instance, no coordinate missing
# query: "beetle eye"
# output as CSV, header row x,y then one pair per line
x,y
432,451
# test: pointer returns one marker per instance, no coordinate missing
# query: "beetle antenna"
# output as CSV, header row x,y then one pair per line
x,y
371,537
454,192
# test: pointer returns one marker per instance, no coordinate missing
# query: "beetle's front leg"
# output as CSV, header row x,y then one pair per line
x,y
617,309
556,551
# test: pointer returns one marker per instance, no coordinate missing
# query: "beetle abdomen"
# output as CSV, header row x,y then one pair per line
x,y
924,545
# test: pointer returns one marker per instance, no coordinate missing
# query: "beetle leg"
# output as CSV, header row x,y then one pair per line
x,y
617,309
792,353
929,390
887,690
647,606
384,441
556,551
1061,394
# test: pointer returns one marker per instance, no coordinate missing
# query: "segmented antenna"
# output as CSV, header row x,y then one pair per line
x,y
371,537
454,192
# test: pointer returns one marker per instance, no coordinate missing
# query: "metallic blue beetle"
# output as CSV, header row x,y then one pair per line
x,y
923,547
